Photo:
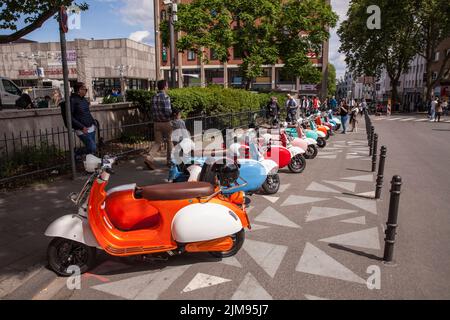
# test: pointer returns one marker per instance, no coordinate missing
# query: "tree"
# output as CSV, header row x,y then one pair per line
x,y
433,18
33,13
392,46
260,31
331,80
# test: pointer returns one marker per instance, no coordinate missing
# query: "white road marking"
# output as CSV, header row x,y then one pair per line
x,y
394,119
407,119
315,261
367,205
284,187
349,186
310,297
202,280
267,255
297,200
349,157
271,199
367,239
146,287
231,261
250,289
314,186
421,120
358,220
317,213
272,216
328,157
368,178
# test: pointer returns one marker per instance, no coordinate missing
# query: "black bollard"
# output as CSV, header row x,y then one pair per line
x,y
380,176
374,152
391,229
371,137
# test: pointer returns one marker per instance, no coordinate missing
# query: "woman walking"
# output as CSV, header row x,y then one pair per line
x,y
439,110
354,119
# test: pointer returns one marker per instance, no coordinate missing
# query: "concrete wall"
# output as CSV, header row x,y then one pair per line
x,y
16,122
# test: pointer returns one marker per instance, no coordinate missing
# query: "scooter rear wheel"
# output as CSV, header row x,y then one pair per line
x,y
238,241
311,152
63,253
298,164
272,184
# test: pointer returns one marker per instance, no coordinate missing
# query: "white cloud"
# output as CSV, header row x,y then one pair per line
x,y
138,13
141,36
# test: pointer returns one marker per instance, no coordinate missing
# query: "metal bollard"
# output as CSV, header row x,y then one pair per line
x,y
380,176
372,135
392,225
374,152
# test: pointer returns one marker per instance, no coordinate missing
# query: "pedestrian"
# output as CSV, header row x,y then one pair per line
x,y
162,114
445,107
333,104
178,124
354,119
291,108
433,106
343,111
56,97
82,120
273,111
438,112
363,107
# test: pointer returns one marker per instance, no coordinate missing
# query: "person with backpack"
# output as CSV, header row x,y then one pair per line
x,y
82,120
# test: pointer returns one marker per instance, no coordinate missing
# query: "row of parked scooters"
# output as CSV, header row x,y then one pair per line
x,y
203,209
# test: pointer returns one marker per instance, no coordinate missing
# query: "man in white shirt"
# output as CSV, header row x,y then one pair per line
x,y
433,109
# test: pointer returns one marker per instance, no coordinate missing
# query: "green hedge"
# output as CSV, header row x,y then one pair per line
x,y
210,101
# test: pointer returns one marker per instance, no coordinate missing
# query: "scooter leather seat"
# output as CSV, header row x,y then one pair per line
x,y
176,191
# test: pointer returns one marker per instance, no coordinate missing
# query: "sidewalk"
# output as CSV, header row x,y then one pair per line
x,y
26,213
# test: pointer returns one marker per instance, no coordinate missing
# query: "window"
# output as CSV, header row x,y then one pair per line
x,y
191,55
212,54
436,56
11,87
237,53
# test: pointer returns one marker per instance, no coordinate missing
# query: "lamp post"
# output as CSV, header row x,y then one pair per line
x,y
122,68
173,9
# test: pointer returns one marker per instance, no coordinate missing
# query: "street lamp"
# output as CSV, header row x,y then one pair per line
x,y
172,19
122,68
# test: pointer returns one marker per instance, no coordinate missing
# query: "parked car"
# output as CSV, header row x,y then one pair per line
x,y
9,93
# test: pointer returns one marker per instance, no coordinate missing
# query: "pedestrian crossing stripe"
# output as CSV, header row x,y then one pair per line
x,y
407,119
421,120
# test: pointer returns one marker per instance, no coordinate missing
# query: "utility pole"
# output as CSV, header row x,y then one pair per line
x,y
157,39
172,19
63,28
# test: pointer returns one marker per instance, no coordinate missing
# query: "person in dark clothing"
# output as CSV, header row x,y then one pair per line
x,y
82,121
344,110
273,110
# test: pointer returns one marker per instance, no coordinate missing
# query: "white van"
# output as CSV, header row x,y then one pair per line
x,y
9,93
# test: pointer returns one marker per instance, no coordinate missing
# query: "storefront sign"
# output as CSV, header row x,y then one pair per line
x,y
47,72
54,58
308,87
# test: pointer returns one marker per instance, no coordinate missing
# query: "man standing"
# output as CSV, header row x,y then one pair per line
x,y
162,114
343,111
291,106
434,103
333,104
82,121
363,107
273,110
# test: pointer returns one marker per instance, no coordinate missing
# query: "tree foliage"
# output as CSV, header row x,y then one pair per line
x,y
331,80
392,46
261,31
32,13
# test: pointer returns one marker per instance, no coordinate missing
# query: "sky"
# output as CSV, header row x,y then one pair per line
x,y
109,19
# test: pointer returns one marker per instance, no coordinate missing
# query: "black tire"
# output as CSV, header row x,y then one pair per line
x,y
63,253
272,184
298,164
328,135
238,239
311,152
321,143
338,126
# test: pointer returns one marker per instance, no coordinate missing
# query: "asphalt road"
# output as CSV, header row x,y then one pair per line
x,y
315,239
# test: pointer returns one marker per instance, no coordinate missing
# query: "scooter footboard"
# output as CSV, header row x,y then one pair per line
x,y
203,222
72,227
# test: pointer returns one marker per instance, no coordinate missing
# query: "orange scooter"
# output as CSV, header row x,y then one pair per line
x,y
131,220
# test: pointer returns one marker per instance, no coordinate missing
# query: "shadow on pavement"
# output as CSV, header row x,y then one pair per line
x,y
357,252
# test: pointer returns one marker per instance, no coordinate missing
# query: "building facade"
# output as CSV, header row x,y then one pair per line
x,y
102,64
192,71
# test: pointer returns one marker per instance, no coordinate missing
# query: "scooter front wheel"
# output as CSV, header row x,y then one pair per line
x,y
63,253
311,152
238,241
321,143
272,184
298,164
